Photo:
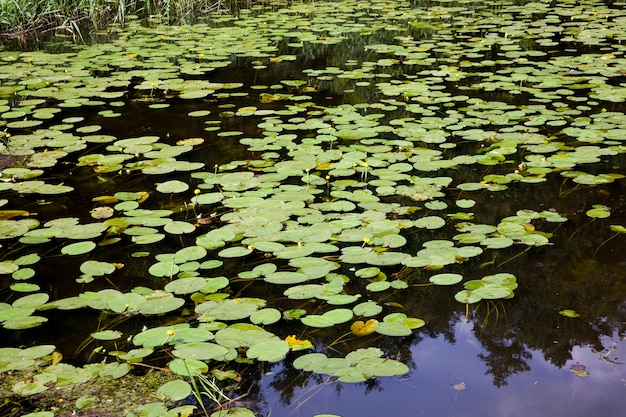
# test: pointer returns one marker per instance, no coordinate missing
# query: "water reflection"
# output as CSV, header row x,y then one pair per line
x,y
465,378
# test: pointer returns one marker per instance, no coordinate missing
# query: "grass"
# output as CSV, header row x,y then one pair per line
x,y
25,24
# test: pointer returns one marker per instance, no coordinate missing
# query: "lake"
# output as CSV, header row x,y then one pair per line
x,y
336,208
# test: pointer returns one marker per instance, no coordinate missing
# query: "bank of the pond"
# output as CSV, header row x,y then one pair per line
x,y
102,396
28,24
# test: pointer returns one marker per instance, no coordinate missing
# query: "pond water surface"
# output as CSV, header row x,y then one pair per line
x,y
366,161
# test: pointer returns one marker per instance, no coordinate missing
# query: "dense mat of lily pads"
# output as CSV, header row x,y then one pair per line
x,y
333,200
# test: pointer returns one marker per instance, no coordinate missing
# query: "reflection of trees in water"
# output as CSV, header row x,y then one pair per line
x,y
505,357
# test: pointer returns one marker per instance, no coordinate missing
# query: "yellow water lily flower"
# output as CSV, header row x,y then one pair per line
x,y
297,344
360,328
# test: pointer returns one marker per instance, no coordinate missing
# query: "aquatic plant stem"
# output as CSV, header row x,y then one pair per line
x,y
584,225
515,256
603,243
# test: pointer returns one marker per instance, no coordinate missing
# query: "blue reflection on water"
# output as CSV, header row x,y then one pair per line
x,y
452,381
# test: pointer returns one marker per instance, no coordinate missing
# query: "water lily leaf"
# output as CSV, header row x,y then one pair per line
x,y
430,222
378,286
234,252
230,309
85,400
97,268
174,390
370,272
367,309
187,367
467,297
266,316
328,319
78,248
39,384
36,352
377,367
148,238
207,198
200,351
23,274
31,301
8,267
497,242
29,259
24,287
107,335
492,292
286,277
173,186
310,361
446,279
569,313
179,228
114,370
388,258
234,412
392,329
69,375
270,351
157,336
186,285
598,213
295,251
15,312
102,212
18,323
465,203
160,305
618,228
164,269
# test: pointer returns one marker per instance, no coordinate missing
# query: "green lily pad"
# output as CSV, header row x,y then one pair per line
x,y
200,351
97,268
328,319
78,248
235,252
266,316
446,279
107,335
186,285
187,367
173,186
174,390
270,351
160,305
569,313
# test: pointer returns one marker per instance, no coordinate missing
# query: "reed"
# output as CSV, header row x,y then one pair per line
x,y
25,24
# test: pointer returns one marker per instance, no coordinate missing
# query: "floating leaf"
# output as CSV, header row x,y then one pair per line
x,y
270,351
78,248
107,335
174,390
569,313
446,279
97,268
173,186
266,316
235,252
200,351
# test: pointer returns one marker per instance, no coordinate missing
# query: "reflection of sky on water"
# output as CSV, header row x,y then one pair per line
x,y
543,391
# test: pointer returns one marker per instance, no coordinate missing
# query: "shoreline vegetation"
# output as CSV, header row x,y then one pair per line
x,y
27,24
